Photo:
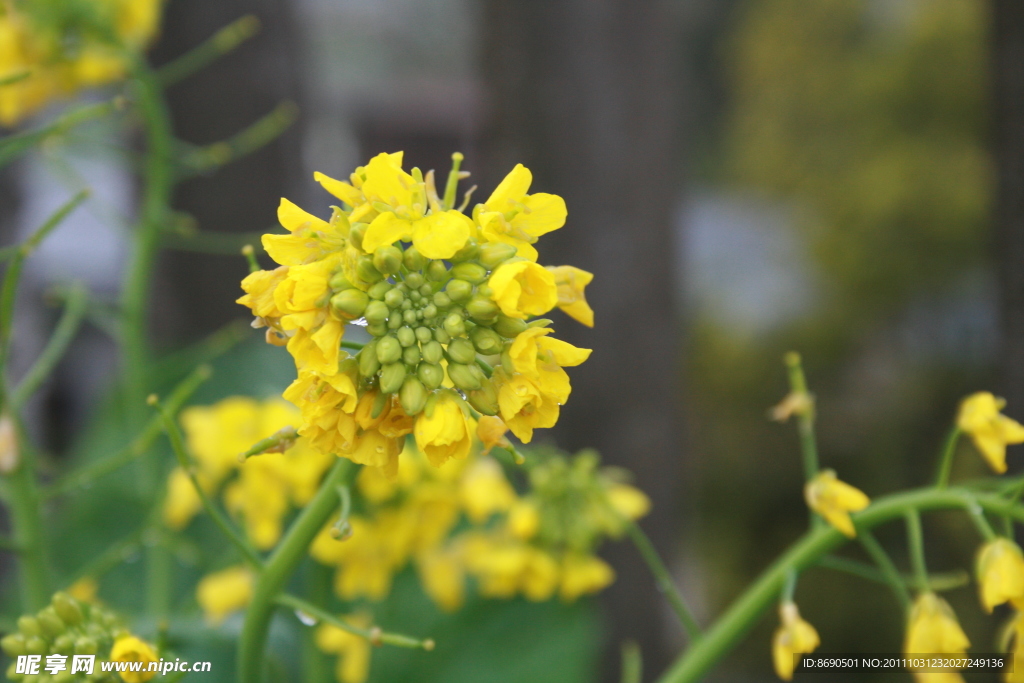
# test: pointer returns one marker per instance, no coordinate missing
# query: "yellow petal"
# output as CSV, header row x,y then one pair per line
x,y
339,189
440,235
511,189
544,213
387,228
293,218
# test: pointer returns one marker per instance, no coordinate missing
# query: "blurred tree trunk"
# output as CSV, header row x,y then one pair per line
x,y
197,291
584,93
1008,102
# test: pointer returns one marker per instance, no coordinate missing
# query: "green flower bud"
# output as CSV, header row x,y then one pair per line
x,y
387,259
85,645
350,303
426,289
484,399
28,625
395,320
406,305
463,377
486,341
64,676
454,325
406,337
506,360
432,352
12,672
36,646
391,377
423,335
413,259
482,309
339,282
461,351
378,290
366,271
442,300
376,312
430,374
356,232
377,329
467,253
394,298
67,607
442,337
49,622
13,644
493,254
415,295
459,290
437,271
65,642
389,350
413,396
508,327
409,317
429,311
411,355
414,280
470,272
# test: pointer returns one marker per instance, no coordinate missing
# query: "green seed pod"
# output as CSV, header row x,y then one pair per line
x,y
356,232
458,290
378,291
29,626
414,280
35,645
394,298
463,377
467,253
406,337
409,317
437,271
454,325
67,608
429,311
389,349
49,622
411,355
376,312
377,329
85,645
430,374
482,309
350,303
395,320
366,271
493,254
461,351
387,259
442,337
339,282
432,352
13,645
442,300
486,341
508,327
470,272
413,396
391,377
413,259
423,335
484,399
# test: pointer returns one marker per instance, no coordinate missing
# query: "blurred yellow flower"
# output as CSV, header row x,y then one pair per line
x,y
583,574
1017,650
132,649
221,593
353,651
484,490
933,628
793,637
1000,568
835,500
991,431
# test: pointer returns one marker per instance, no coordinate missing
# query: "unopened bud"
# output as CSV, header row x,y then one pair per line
x,y
409,317
459,290
484,399
493,254
391,377
389,349
366,271
35,645
430,374
376,312
67,607
395,320
413,396
28,625
413,259
442,337
470,272
377,329
454,325
486,340
13,645
350,303
51,624
394,298
508,327
411,355
379,290
355,234
423,334
461,351
339,282
437,271
406,337
506,360
467,253
432,352
414,280
387,259
483,309
463,377
85,645
442,300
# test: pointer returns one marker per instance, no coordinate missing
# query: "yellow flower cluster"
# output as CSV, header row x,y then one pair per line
x,y
66,46
537,545
262,489
446,297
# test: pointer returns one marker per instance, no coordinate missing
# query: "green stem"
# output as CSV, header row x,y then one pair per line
x,y
202,160
13,146
219,44
317,584
372,634
946,459
27,523
741,616
805,418
452,185
663,579
352,346
282,562
939,582
632,663
789,587
886,567
915,542
977,516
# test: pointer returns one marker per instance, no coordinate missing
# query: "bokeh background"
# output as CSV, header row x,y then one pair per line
x,y
844,178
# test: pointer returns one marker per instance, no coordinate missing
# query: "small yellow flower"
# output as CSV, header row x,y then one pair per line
x,y
835,500
1000,569
991,431
511,216
353,651
443,575
933,628
491,432
629,501
224,592
571,281
523,520
524,407
541,358
793,637
182,502
132,649
523,289
84,590
484,490
445,434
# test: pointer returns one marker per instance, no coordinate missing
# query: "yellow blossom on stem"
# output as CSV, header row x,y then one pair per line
x,y
932,628
523,289
524,407
353,651
491,432
132,649
793,637
443,575
1000,569
583,574
512,216
991,431
446,433
571,281
484,490
835,500
224,592
629,501
541,358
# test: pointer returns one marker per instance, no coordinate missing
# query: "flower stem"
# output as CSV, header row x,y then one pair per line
x,y
805,418
372,634
915,541
663,579
946,459
886,567
279,566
